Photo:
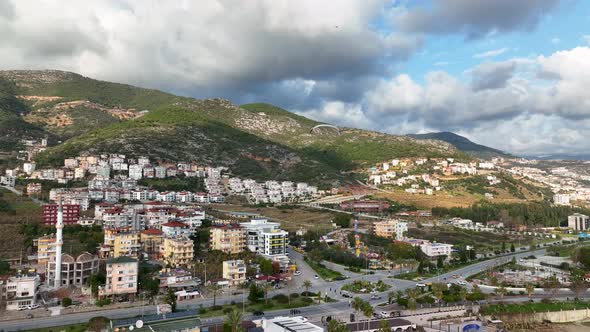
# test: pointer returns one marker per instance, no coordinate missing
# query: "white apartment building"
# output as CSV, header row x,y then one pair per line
x,y
234,271
578,222
19,291
436,249
265,238
135,172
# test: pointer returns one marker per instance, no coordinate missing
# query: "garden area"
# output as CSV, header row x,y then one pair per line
x,y
361,286
324,272
544,306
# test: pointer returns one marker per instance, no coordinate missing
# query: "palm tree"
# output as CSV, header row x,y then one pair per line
x,y
463,294
438,291
357,305
367,310
530,289
501,291
266,287
390,296
412,294
306,285
214,288
234,320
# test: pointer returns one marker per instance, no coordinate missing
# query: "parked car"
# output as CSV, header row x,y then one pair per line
x,y
375,297
297,273
420,285
258,313
33,306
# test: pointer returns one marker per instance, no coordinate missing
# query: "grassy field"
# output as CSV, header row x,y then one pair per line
x,y
290,219
20,210
532,307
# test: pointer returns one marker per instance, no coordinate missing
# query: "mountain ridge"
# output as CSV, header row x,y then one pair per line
x,y
464,144
256,140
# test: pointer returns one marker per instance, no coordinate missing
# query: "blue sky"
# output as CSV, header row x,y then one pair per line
x,y
506,73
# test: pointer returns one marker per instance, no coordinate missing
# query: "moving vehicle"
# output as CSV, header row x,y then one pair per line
x,y
316,276
258,313
420,285
297,273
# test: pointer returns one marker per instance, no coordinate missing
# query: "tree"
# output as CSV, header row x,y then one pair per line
x,y
266,287
438,291
214,289
342,220
336,326
390,297
501,291
234,320
462,294
4,267
551,285
95,281
503,246
578,286
512,248
582,256
412,294
98,324
306,285
171,299
254,294
440,262
530,289
315,255
66,302
266,266
384,326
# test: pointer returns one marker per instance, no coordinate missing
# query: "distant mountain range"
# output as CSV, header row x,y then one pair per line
x,y
254,140
463,144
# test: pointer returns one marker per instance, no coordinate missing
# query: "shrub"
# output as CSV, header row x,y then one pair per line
x,y
216,307
338,278
294,295
103,302
66,302
227,310
307,300
281,298
308,294
425,299
545,300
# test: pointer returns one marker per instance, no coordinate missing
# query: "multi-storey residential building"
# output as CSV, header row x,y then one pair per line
x,y
230,238
178,251
394,229
74,272
127,244
71,214
19,291
33,188
578,222
265,238
135,172
151,240
121,277
45,249
436,249
234,271
176,228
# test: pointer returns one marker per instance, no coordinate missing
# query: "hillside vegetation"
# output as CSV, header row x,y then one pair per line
x,y
255,140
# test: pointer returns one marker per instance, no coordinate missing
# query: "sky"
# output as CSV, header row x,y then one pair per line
x,y
509,74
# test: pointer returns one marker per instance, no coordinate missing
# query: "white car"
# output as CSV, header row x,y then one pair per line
x,y
316,277
420,285
462,283
297,273
33,306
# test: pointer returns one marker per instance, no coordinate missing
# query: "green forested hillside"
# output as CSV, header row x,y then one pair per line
x,y
256,140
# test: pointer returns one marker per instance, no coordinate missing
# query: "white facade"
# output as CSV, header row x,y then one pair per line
x,y
578,222
265,238
20,291
436,249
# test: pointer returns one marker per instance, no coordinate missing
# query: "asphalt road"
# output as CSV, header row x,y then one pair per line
x,y
330,288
